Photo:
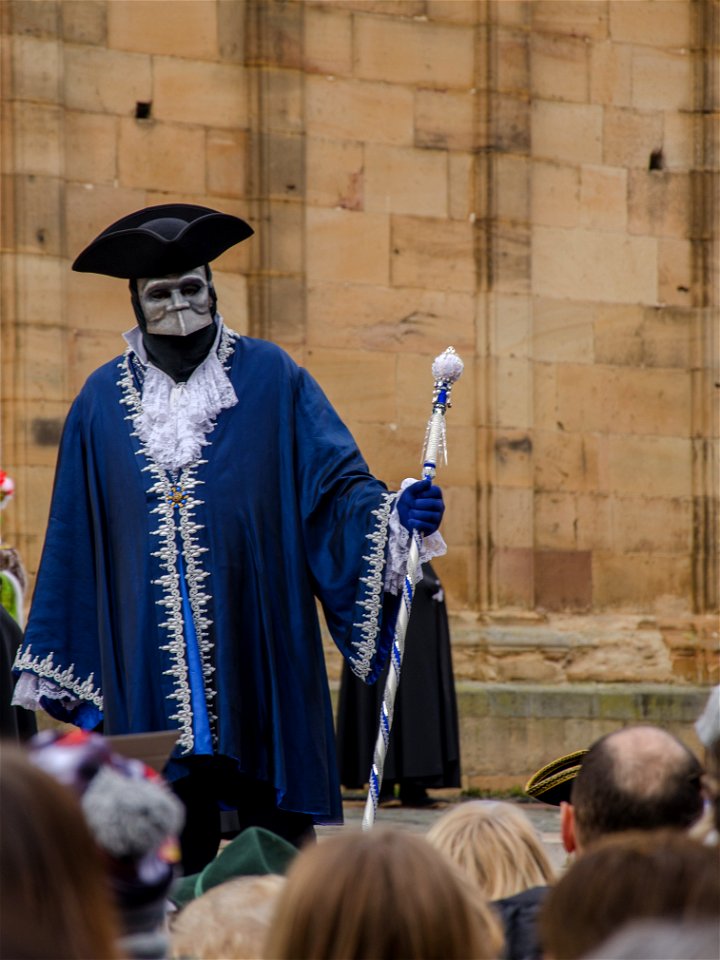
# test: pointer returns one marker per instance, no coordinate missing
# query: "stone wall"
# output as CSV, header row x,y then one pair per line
x,y
535,183
510,730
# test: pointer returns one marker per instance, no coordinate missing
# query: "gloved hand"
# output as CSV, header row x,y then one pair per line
x,y
420,507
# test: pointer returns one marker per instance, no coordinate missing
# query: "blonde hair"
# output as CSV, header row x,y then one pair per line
x,y
495,845
384,895
229,921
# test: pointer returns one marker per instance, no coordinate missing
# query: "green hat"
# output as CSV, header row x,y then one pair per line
x,y
254,852
553,782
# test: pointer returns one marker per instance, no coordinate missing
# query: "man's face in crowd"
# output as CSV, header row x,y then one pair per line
x,y
176,305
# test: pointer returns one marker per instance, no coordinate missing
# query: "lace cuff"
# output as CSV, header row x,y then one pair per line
x,y
431,546
30,690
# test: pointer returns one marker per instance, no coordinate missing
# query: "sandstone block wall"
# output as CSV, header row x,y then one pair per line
x,y
535,183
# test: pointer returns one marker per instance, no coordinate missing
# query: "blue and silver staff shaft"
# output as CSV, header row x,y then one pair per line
x,y
446,369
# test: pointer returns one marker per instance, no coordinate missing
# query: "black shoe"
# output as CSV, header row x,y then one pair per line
x,y
412,795
387,793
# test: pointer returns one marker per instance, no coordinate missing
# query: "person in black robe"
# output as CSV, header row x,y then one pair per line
x,y
424,749
16,723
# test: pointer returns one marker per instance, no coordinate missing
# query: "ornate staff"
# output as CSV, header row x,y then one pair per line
x,y
446,369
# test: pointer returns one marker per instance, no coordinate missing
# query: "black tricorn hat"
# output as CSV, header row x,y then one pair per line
x,y
156,241
553,782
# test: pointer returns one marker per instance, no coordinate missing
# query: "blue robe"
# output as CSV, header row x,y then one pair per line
x,y
189,601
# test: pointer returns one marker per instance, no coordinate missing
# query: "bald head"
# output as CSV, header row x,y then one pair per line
x,y
638,778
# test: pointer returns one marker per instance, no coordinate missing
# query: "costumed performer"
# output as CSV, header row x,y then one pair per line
x,y
206,493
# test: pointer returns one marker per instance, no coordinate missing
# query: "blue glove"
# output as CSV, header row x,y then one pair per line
x,y
420,507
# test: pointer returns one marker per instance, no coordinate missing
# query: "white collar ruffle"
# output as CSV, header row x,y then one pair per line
x,y
173,419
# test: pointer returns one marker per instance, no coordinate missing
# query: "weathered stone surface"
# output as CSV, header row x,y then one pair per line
x,y
441,56
568,132
227,159
90,147
590,265
328,40
211,94
513,517
563,580
36,68
37,203
559,68
564,461
579,18
445,119
662,79
666,466
406,181
512,577
659,203
603,198
38,18
84,21
645,582
555,199
105,81
563,331
432,253
38,139
347,245
160,156
513,59
365,112
675,270
37,278
179,28
335,174
611,74
390,319
630,136
669,25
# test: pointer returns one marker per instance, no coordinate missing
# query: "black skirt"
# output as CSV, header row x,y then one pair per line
x,y
424,741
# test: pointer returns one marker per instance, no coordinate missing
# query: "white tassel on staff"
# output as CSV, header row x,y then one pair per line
x,y
446,369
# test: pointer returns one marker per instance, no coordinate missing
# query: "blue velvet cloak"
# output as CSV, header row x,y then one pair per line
x,y
143,573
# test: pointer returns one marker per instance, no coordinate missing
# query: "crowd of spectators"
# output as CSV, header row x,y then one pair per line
x,y
89,843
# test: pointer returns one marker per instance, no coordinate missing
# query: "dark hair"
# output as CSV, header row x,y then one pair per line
x,y
636,875
639,778
662,940
56,899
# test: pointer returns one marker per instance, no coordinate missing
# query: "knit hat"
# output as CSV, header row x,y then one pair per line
x,y
553,782
132,814
254,852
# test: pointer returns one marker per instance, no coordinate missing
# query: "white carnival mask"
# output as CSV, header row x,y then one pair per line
x,y
177,304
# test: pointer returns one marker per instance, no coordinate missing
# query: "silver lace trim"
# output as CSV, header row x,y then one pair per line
x,y
372,600
180,493
64,678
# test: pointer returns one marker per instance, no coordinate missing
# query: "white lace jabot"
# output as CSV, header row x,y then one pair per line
x,y
175,418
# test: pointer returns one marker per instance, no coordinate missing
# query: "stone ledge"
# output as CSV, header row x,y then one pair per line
x,y
510,730
507,731
624,702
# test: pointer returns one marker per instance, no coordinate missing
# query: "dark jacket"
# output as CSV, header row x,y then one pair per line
x,y
519,919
